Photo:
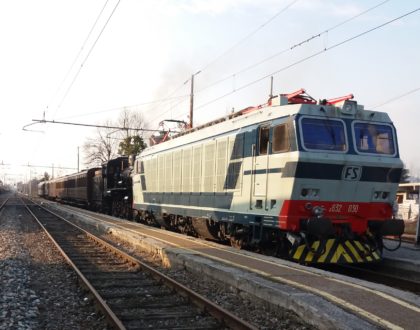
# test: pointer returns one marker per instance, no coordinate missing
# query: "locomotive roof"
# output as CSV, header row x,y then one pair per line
x,y
74,175
246,118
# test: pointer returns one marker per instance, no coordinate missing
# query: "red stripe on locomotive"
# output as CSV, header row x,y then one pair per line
x,y
354,213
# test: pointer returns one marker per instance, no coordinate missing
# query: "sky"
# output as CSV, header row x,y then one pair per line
x,y
140,56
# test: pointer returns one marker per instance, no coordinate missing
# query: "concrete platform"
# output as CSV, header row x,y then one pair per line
x,y
253,281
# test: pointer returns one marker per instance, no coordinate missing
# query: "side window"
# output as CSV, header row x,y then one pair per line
x,y
280,138
263,138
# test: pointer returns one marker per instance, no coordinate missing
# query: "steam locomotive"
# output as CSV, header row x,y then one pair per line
x,y
106,189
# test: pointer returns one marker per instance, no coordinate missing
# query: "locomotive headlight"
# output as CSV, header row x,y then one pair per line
x,y
309,193
318,211
381,195
349,107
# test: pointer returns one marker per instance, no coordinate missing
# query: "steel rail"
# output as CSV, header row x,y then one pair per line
x,y
4,203
342,303
222,315
112,318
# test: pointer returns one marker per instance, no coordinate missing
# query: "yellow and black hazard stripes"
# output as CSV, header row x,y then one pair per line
x,y
335,251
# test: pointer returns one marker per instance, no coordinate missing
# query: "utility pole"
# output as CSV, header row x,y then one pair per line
x,y
77,158
192,99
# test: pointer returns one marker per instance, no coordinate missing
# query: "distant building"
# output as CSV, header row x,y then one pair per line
x,y
408,205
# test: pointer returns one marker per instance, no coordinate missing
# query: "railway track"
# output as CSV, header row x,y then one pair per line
x,y
131,294
376,273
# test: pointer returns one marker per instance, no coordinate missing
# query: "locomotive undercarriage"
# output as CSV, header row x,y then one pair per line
x,y
319,241
257,238
118,206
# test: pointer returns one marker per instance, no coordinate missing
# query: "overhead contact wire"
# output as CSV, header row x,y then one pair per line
x,y
169,98
233,47
86,58
291,47
309,57
396,98
80,51
128,106
249,35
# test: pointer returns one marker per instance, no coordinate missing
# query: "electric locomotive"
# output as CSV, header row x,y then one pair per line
x,y
311,181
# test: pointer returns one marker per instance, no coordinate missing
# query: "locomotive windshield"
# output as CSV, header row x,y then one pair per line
x,y
374,138
323,134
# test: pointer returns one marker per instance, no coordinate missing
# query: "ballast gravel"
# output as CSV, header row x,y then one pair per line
x,y
38,290
252,310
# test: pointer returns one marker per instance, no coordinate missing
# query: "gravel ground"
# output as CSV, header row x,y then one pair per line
x,y
38,289
81,315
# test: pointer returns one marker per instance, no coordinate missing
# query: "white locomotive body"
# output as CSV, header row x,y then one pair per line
x,y
314,182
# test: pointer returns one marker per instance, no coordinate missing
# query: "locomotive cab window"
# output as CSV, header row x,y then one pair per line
x,y
323,134
374,138
280,138
263,138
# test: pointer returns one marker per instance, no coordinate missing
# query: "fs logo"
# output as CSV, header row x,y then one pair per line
x,y
352,173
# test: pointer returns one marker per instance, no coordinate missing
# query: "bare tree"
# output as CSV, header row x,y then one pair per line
x,y
105,145
130,119
100,148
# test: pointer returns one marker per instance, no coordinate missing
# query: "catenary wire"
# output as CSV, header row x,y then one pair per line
x,y
274,55
307,40
307,58
169,98
86,58
170,109
271,57
248,36
395,98
182,97
79,53
230,49
128,106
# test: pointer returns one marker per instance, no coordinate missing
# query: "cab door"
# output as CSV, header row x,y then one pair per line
x,y
261,165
